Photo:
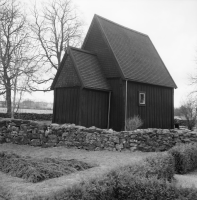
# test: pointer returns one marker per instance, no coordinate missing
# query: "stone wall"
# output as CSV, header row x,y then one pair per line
x,y
70,135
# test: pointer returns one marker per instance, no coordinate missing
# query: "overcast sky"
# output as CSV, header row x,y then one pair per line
x,y
170,24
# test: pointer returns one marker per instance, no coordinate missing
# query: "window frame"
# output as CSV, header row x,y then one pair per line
x,y
144,93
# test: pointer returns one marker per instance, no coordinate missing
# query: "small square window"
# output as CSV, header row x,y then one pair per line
x,y
142,98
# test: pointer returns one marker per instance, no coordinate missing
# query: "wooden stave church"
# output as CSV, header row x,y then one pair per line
x,y
101,83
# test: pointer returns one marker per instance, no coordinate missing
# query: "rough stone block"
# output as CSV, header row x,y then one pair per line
x,y
43,139
126,145
35,135
60,143
35,142
65,135
91,147
25,140
52,138
21,133
97,149
119,147
49,144
2,139
8,140
114,139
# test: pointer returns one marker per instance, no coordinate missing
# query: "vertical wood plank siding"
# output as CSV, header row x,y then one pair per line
x,y
158,111
94,108
54,106
66,105
117,104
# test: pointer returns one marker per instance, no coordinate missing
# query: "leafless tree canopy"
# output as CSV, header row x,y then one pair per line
x,y
193,79
56,26
16,61
189,111
30,53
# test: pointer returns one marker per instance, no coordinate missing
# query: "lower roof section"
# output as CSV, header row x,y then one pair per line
x,y
88,69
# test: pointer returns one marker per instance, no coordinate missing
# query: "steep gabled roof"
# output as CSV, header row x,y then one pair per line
x,y
87,69
135,53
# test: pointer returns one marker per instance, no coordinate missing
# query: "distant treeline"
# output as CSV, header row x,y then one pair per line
x,y
30,105
29,116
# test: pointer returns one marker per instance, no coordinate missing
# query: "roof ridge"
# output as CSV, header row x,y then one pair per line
x,y
104,34
84,51
121,25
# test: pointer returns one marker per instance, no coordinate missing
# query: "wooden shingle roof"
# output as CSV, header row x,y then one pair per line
x,y
89,69
86,71
136,55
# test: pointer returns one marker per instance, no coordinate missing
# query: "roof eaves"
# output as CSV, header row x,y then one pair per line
x,y
156,84
119,68
75,66
83,51
100,89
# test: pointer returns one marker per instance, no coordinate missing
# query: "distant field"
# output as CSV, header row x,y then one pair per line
x,y
4,110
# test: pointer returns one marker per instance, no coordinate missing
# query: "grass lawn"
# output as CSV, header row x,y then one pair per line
x,y
18,188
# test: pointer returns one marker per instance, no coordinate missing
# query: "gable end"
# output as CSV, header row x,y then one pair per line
x,y
68,76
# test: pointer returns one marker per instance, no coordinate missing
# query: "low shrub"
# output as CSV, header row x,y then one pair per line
x,y
118,185
36,170
147,180
135,187
185,157
160,166
133,123
187,193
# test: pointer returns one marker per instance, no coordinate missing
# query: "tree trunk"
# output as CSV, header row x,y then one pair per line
x,y
14,98
8,99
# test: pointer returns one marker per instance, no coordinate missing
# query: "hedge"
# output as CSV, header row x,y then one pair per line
x,y
160,166
124,185
146,180
185,157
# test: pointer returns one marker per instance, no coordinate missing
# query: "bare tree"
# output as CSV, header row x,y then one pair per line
x,y
189,111
177,112
193,80
16,62
55,27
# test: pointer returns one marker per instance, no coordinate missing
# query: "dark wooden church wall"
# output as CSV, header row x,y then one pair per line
x,y
54,106
66,105
94,107
117,104
158,111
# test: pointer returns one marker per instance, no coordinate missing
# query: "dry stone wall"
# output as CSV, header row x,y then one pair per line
x,y
69,135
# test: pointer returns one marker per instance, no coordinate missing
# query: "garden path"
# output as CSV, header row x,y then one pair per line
x,y
187,180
